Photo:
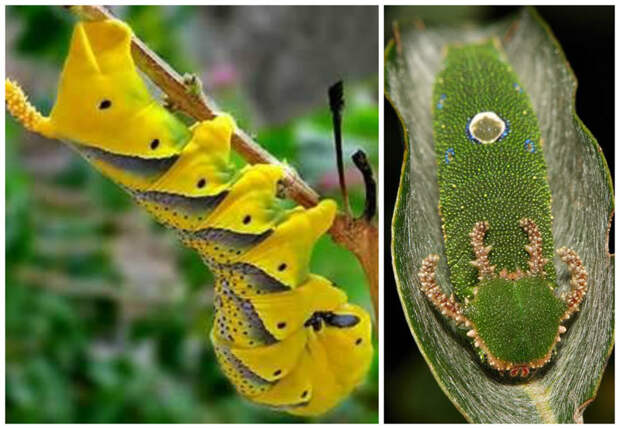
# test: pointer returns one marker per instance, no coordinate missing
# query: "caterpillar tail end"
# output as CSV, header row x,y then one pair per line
x,y
17,103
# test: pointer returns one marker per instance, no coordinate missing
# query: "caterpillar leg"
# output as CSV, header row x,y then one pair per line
x,y
537,261
485,269
578,280
447,305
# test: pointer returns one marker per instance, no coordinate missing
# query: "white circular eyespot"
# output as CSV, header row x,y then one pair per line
x,y
486,127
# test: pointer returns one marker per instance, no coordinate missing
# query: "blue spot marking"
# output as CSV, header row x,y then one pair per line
x,y
449,156
442,97
517,87
529,146
506,131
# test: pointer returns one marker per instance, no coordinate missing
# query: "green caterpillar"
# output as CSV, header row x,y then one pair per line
x,y
285,337
495,206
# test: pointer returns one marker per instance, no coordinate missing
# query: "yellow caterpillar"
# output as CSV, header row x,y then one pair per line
x,y
285,338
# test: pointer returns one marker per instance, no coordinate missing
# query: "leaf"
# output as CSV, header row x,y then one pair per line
x,y
582,207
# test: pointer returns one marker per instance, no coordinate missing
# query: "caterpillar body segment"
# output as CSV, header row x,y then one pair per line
x,y
271,362
285,254
205,169
103,103
285,337
200,181
284,313
252,207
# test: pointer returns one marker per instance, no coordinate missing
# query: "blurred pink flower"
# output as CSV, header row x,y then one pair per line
x,y
222,75
329,181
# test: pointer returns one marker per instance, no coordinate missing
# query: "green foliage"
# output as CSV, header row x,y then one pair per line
x,y
18,231
53,22
147,22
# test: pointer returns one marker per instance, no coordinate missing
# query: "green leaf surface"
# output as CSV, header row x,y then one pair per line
x,y
582,208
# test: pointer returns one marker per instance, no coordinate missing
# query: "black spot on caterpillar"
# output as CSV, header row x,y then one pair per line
x,y
105,104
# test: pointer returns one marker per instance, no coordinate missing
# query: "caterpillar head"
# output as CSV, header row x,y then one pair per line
x,y
516,323
102,102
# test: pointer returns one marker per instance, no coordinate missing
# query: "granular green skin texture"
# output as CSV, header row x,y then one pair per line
x,y
492,170
533,323
499,182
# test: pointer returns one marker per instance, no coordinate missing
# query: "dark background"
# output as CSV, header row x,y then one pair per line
x,y
586,35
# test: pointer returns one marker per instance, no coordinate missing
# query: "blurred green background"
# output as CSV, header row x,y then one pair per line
x,y
586,36
107,314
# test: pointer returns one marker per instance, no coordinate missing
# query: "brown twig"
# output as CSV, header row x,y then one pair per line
x,y
359,236
361,162
362,238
